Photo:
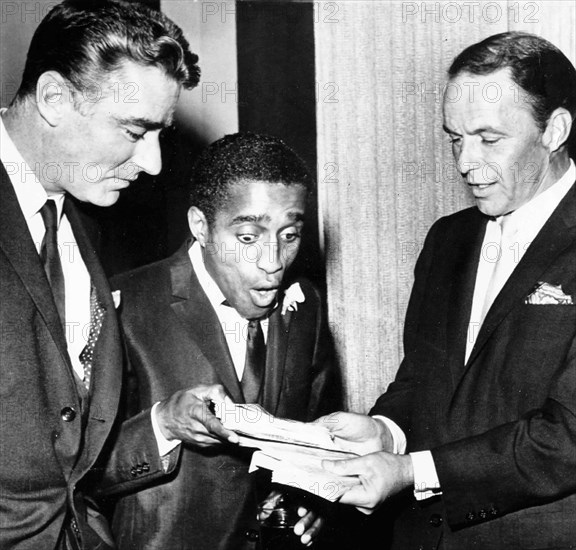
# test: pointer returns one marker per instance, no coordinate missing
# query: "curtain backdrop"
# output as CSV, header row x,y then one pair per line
x,y
385,170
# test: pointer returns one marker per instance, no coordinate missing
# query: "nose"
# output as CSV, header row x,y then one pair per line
x,y
147,154
466,156
270,258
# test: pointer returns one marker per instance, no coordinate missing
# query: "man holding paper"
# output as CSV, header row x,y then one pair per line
x,y
485,399
219,311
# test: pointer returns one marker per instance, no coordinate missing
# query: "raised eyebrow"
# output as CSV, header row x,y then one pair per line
x,y
296,216
249,219
293,216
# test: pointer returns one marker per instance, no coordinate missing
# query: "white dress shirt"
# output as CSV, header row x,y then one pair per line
x,y
31,198
527,222
234,326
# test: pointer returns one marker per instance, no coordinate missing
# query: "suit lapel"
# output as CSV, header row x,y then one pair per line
x,y
107,362
191,305
557,234
17,244
462,292
276,349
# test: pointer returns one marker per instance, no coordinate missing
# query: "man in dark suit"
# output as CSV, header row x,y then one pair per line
x,y
219,311
101,80
486,395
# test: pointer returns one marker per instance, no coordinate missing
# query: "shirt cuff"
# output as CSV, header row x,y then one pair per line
x,y
164,445
398,436
426,482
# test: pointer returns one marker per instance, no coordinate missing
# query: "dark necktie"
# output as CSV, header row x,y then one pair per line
x,y
255,363
50,257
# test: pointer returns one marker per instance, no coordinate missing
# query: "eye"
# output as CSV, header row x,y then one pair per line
x,y
290,236
490,141
453,139
247,238
133,135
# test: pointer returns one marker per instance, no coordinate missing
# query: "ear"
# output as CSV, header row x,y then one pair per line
x,y
557,129
198,225
53,97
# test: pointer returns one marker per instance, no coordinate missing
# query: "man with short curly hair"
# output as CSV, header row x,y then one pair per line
x,y
223,310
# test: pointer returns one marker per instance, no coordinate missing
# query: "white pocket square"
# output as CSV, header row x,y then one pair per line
x,y
545,294
116,298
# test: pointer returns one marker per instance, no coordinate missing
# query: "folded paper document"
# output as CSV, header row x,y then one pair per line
x,y
292,450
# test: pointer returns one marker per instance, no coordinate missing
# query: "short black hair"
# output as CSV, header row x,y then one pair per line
x,y
83,40
536,66
239,158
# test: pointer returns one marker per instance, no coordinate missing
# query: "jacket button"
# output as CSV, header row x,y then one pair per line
x,y
68,414
470,516
133,472
435,520
145,467
493,512
483,514
252,535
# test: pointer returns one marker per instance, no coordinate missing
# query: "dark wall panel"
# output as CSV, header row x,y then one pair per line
x,y
276,90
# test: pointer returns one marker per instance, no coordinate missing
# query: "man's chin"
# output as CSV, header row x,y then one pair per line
x,y
107,199
257,312
490,208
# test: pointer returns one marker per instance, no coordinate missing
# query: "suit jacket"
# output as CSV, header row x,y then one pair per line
x,y
49,440
502,426
175,341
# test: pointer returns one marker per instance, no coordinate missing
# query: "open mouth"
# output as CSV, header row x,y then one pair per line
x,y
265,295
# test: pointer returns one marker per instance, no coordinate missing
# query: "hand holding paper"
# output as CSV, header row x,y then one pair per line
x,y
186,416
380,476
292,450
357,433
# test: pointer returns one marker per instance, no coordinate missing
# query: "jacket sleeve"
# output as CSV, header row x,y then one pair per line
x,y
524,463
133,460
326,392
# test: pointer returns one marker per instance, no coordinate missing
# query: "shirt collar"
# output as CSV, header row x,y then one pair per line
x,y
29,191
536,212
208,284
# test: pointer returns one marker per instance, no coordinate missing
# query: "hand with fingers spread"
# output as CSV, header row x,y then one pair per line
x,y
358,433
308,526
187,415
381,475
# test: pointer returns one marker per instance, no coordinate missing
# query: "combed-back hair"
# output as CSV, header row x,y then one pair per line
x,y
243,157
84,40
539,68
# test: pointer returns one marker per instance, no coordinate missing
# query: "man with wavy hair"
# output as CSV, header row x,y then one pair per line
x,y
101,81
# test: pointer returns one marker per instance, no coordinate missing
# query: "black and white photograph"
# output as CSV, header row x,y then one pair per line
x,y
287,274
